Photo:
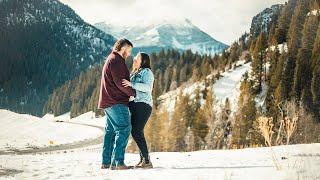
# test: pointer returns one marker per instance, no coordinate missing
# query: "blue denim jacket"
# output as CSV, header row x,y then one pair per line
x,y
142,82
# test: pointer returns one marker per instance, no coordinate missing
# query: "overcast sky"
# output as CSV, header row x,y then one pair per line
x,y
224,20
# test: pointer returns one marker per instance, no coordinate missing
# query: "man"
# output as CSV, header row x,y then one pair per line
x,y
114,99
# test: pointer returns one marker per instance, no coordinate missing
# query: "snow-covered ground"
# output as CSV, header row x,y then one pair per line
x,y
297,162
22,131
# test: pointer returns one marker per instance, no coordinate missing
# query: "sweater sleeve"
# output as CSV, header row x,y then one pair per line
x,y
147,82
118,73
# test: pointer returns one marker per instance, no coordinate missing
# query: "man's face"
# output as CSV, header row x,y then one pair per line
x,y
127,51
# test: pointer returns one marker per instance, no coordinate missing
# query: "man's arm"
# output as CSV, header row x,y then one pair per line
x,y
118,73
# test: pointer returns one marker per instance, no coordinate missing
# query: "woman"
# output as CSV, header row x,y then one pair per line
x,y
142,81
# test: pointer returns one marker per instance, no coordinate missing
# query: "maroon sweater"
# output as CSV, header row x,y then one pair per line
x,y
112,91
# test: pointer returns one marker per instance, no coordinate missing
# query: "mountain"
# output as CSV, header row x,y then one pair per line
x,y
179,34
43,44
262,21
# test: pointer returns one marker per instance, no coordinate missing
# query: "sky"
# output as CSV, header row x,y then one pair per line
x,y
224,20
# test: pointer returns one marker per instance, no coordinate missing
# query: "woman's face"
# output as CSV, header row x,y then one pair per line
x,y
137,61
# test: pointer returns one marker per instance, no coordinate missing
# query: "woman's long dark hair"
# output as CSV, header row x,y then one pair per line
x,y
145,60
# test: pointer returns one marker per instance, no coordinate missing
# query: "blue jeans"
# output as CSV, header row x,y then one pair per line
x,y
117,131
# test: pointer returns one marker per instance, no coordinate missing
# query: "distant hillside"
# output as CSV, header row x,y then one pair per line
x,y
43,44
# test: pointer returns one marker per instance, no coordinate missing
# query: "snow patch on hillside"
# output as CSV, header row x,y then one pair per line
x,y
281,47
226,86
314,12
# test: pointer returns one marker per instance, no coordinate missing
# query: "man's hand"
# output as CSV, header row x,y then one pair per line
x,y
126,83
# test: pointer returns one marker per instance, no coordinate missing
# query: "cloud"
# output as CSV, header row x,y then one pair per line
x,y
224,20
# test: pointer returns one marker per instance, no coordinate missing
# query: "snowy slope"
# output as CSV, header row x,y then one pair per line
x,y
22,131
179,34
297,162
226,86
86,118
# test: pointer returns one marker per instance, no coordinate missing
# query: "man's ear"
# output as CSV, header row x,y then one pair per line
x,y
123,49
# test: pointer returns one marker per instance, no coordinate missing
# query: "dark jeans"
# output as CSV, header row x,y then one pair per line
x,y
140,113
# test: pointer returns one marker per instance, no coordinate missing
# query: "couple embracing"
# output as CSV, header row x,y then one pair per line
x,y
127,103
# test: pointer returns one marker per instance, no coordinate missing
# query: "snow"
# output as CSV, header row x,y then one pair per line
x,y
300,162
180,33
226,86
296,161
314,12
22,131
281,47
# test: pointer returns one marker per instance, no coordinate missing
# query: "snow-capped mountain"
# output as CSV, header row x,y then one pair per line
x,y
179,34
43,44
262,21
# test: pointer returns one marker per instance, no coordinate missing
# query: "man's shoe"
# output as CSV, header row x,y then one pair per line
x,y
105,166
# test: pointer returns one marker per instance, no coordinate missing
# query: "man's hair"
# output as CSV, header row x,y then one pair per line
x,y
121,43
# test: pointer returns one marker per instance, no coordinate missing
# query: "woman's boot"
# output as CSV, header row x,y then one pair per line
x,y
145,164
141,159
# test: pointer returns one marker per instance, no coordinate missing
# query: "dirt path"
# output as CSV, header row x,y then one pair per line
x,y
74,145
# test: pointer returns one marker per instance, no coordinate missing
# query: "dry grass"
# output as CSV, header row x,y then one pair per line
x,y
265,125
288,124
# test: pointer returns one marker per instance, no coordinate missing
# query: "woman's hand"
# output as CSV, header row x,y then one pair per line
x,y
126,83
131,98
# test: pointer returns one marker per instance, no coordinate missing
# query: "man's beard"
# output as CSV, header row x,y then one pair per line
x,y
125,55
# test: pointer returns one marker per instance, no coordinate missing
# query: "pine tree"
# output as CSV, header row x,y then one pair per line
x,y
189,139
315,83
243,129
259,57
303,71
316,50
210,115
167,79
315,88
177,128
174,79
225,123
283,22
156,131
294,43
204,115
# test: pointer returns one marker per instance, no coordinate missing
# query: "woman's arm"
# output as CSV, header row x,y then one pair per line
x,y
147,82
